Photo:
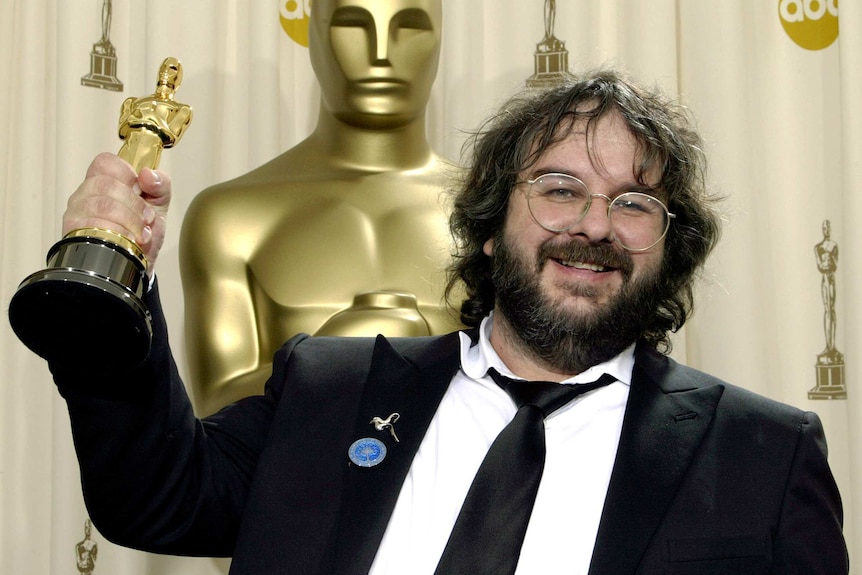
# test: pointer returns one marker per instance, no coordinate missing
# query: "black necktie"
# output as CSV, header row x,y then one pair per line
x,y
490,528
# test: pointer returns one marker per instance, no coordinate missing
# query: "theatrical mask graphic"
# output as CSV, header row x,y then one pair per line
x,y
103,57
830,362
551,59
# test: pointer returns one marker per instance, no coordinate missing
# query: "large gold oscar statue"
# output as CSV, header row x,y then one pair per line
x,y
346,233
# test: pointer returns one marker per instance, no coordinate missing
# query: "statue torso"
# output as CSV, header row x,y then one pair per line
x,y
311,245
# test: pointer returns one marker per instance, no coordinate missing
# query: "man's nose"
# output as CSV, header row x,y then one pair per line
x,y
595,226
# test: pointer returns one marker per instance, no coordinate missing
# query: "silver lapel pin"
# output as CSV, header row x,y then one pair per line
x,y
384,424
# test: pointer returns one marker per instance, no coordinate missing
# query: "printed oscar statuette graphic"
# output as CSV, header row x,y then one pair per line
x,y
86,307
103,57
830,362
551,59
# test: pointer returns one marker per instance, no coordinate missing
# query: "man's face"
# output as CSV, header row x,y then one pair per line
x,y
575,297
375,60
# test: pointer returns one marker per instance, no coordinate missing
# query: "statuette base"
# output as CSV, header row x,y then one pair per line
x,y
85,309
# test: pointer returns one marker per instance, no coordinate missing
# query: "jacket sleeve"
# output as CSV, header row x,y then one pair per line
x,y
155,477
809,539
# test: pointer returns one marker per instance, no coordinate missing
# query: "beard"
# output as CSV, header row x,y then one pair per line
x,y
563,339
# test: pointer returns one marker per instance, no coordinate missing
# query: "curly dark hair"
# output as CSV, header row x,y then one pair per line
x,y
532,122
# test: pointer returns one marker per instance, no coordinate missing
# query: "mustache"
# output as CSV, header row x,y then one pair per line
x,y
607,255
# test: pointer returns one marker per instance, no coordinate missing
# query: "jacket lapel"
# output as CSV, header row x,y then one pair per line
x,y
411,382
666,418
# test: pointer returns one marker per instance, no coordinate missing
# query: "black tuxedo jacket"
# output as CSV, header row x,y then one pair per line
x,y
708,478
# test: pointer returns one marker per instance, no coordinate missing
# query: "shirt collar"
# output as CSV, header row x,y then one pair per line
x,y
477,358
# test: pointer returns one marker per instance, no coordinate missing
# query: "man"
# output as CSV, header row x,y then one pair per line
x,y
580,228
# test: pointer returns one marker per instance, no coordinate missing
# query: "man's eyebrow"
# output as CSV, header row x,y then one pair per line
x,y
630,186
539,172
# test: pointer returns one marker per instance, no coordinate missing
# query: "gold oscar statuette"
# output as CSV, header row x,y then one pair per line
x,y
86,309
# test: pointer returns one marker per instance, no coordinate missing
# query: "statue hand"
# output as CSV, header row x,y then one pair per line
x,y
113,197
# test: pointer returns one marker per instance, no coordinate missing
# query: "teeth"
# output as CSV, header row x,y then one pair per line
x,y
584,266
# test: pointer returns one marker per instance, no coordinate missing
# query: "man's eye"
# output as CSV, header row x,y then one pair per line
x,y
635,206
562,193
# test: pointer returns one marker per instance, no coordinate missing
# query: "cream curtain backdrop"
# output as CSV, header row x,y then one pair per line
x,y
784,131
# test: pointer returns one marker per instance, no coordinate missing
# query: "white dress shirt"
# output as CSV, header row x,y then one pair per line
x,y
581,439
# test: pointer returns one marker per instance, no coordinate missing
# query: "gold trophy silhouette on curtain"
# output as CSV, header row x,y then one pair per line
x,y
86,307
551,58
830,362
86,551
103,57
346,233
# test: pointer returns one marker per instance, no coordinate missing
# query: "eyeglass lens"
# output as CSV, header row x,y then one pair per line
x,y
558,202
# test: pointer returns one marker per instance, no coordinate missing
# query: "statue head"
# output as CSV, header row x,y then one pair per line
x,y
827,229
170,74
375,60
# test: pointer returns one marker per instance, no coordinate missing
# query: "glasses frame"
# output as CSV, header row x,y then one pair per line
x,y
590,196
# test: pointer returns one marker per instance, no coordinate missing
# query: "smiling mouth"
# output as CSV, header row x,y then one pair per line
x,y
583,265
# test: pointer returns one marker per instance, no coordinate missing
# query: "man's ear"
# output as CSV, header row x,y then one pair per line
x,y
488,247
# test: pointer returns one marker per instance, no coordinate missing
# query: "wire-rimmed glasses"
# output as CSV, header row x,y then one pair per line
x,y
559,202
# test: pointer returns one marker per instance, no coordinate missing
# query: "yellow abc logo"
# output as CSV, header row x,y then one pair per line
x,y
812,24
294,19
